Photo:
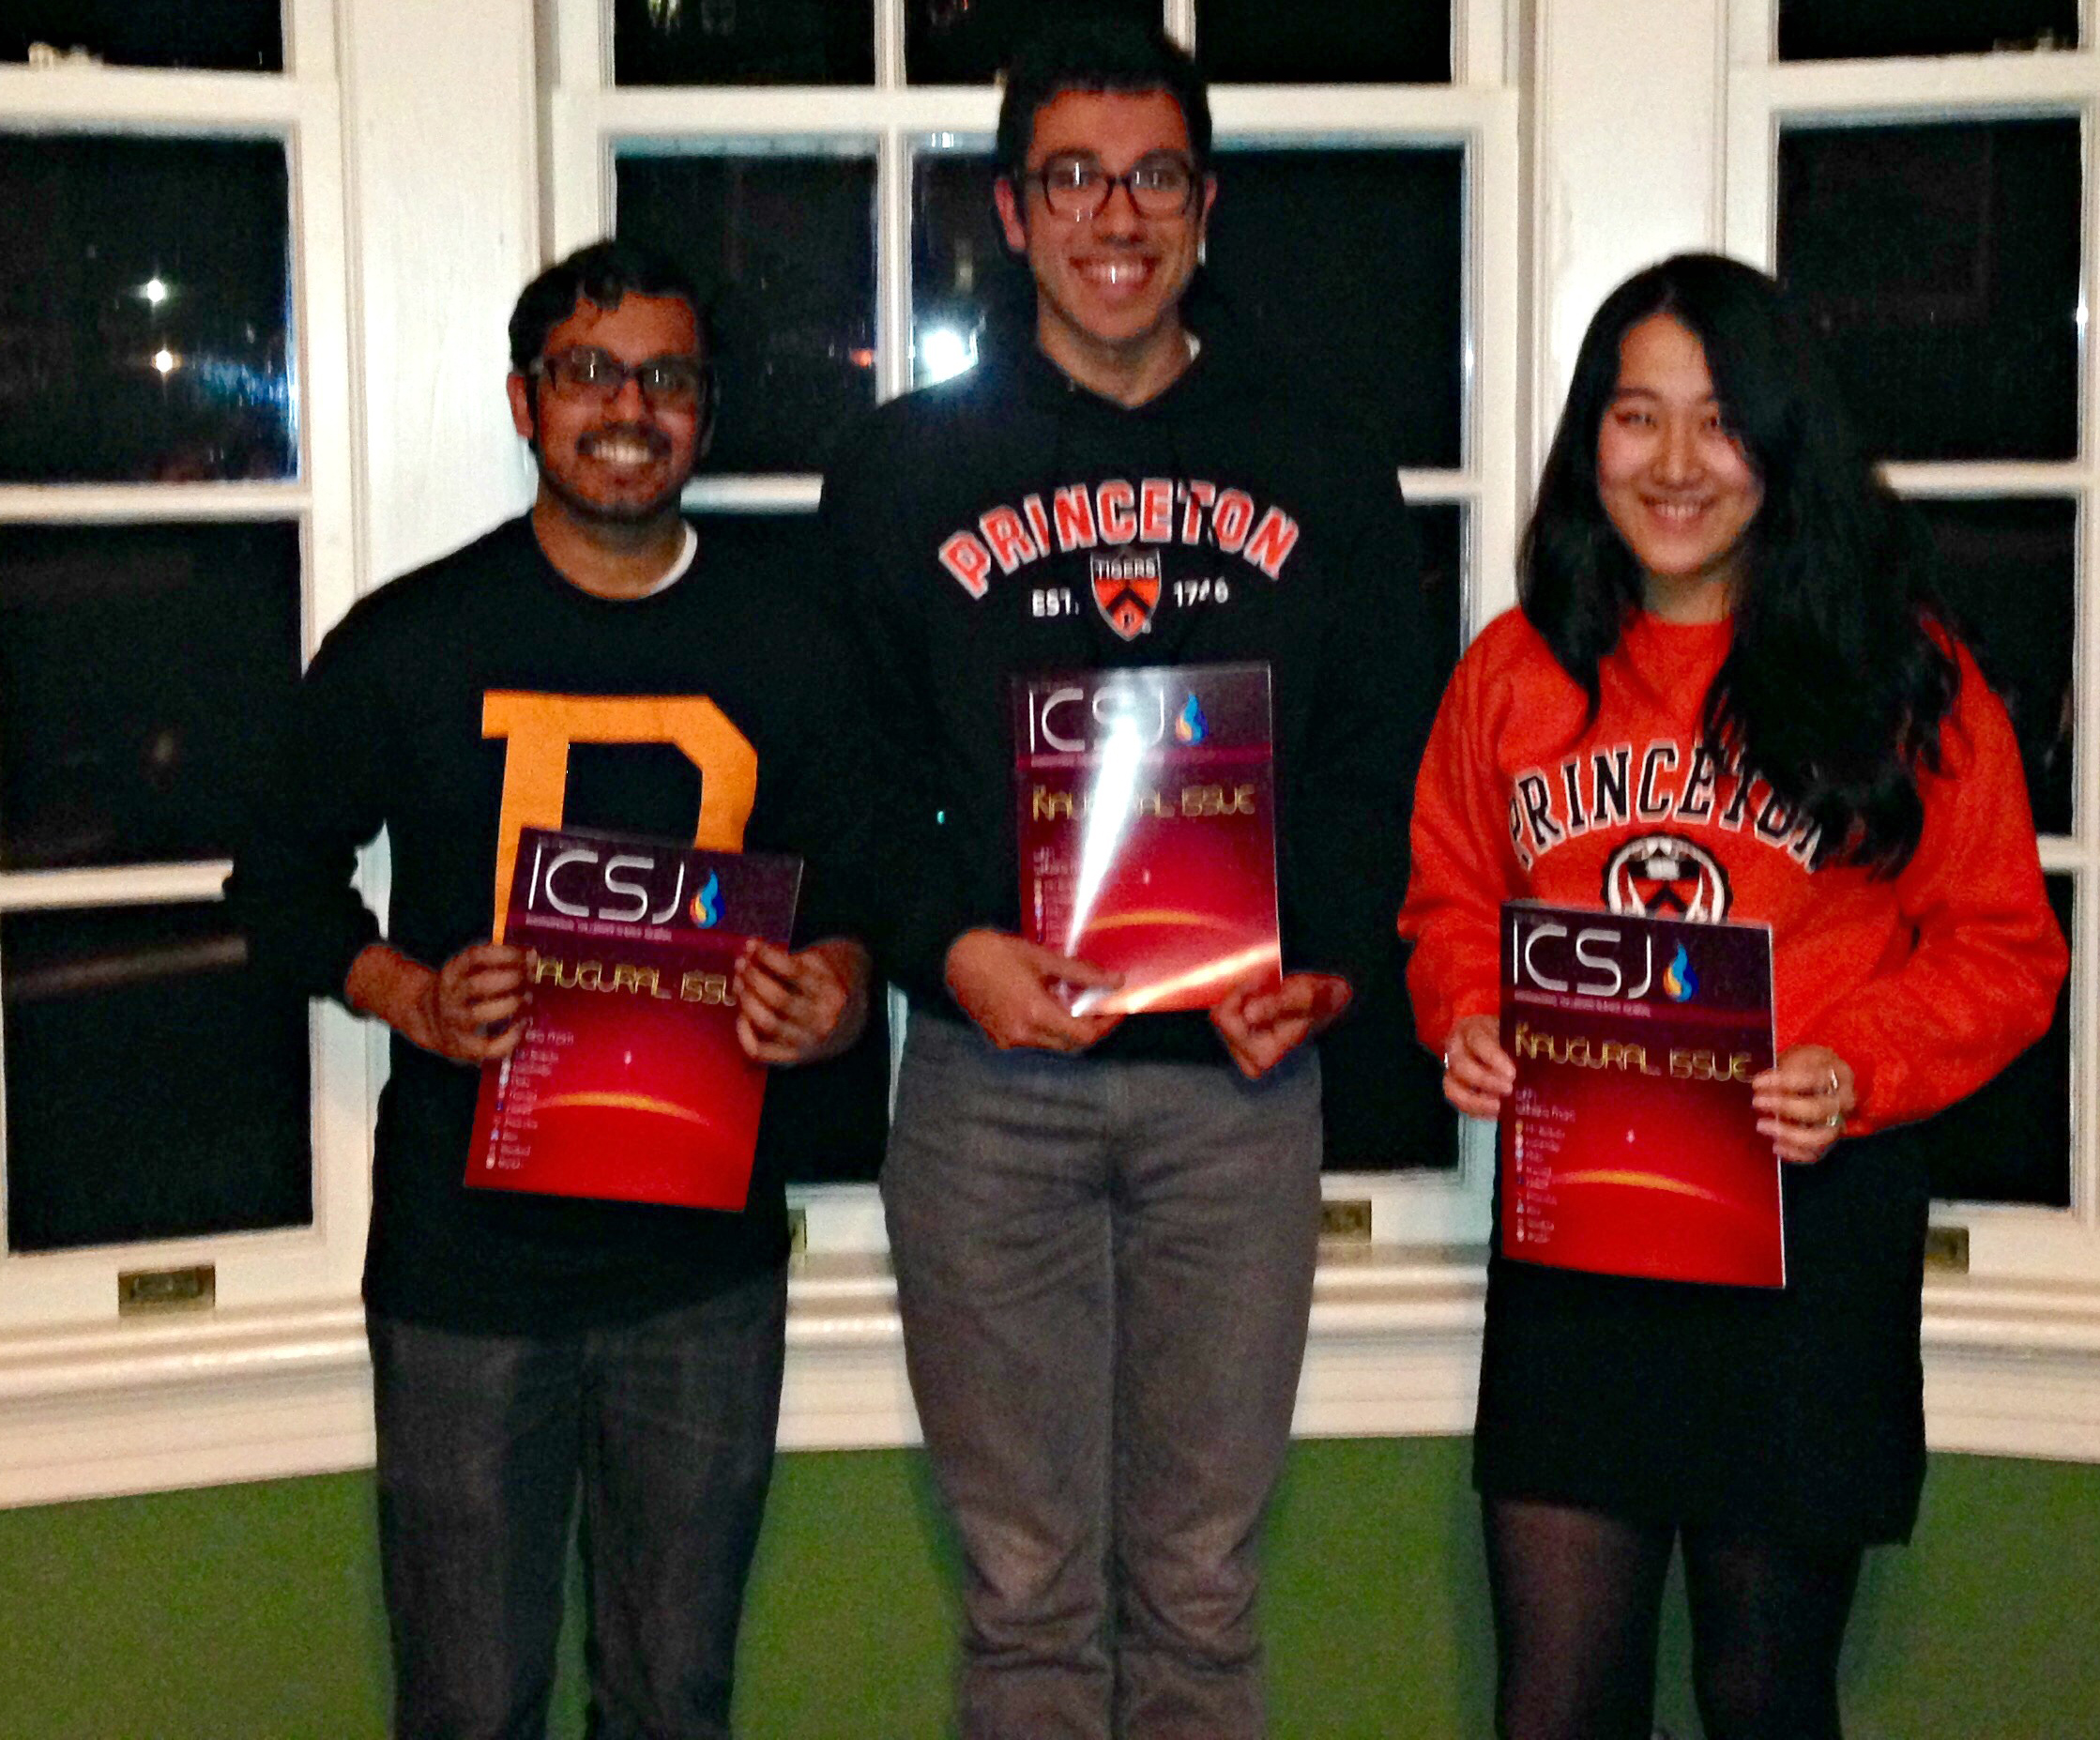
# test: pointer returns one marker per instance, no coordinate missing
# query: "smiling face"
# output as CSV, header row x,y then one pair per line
x,y
1675,484
618,462
1109,288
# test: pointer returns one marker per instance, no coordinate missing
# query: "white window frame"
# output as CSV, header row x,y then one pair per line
x,y
1632,119
403,282
2042,1259
301,109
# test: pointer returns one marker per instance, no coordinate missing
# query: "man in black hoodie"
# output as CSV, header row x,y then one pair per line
x,y
1105,1229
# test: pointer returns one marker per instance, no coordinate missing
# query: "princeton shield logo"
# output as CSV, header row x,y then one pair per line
x,y
1127,590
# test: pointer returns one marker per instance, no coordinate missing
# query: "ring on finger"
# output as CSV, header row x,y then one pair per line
x,y
1831,1087
1834,1122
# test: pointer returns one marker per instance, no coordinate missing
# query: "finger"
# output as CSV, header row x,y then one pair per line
x,y
757,990
1058,1031
1484,1051
770,955
1795,1144
1068,968
1472,1104
763,1049
1801,1108
491,1011
485,987
1481,1075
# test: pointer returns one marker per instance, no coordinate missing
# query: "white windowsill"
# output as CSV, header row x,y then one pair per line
x,y
182,1401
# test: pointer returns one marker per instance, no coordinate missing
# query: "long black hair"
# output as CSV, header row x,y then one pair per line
x,y
1837,679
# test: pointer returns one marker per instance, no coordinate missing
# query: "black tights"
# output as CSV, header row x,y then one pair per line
x,y
1577,1596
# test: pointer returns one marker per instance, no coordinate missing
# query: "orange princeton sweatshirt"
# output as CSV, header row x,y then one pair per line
x,y
1927,983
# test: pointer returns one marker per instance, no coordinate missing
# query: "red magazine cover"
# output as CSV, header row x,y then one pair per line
x,y
1629,1146
1145,803
628,1083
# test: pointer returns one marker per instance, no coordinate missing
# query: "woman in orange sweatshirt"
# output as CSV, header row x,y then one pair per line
x,y
1726,697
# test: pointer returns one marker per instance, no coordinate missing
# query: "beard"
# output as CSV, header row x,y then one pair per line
x,y
618,511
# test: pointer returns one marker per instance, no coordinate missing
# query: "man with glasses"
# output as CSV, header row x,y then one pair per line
x,y
583,666
1105,1229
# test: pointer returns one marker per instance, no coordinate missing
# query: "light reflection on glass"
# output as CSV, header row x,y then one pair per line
x,y
943,353
1109,796
146,317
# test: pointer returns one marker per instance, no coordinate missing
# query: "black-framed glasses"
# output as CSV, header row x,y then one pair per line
x,y
1161,184
669,383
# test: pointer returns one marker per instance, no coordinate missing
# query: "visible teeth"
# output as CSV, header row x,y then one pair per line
x,y
1117,272
621,452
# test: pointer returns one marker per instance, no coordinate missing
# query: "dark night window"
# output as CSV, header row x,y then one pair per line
x,y
145,328
1325,41
144,673
223,36
743,41
2008,571
1862,29
155,1089
1344,268
967,41
783,249
1942,264
2010,1141
1382,1093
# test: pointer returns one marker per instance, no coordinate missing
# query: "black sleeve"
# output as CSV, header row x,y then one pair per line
x,y
826,812
922,904
290,891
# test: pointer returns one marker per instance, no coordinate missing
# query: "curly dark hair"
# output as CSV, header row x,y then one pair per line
x,y
601,273
1086,47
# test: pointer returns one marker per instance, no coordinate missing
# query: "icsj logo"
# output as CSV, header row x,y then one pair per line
x,y
1664,876
707,904
1679,982
1127,589
1189,726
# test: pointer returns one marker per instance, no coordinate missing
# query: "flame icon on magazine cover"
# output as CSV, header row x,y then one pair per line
x,y
1189,726
1679,979
707,904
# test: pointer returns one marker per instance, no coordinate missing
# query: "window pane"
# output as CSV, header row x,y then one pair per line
x,y
2008,570
144,310
1858,29
155,1089
784,248
1941,262
961,273
1383,1093
1325,41
967,41
743,41
1343,269
227,36
144,671
2011,1140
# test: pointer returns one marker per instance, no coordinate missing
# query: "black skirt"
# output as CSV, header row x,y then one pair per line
x,y
1798,1415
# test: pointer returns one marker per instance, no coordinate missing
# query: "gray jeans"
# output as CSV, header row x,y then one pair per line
x,y
666,1428
1105,1270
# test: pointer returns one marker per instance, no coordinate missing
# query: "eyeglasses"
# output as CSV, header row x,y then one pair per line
x,y
1161,185
667,383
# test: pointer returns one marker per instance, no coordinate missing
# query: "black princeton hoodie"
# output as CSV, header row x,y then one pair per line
x,y
967,524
